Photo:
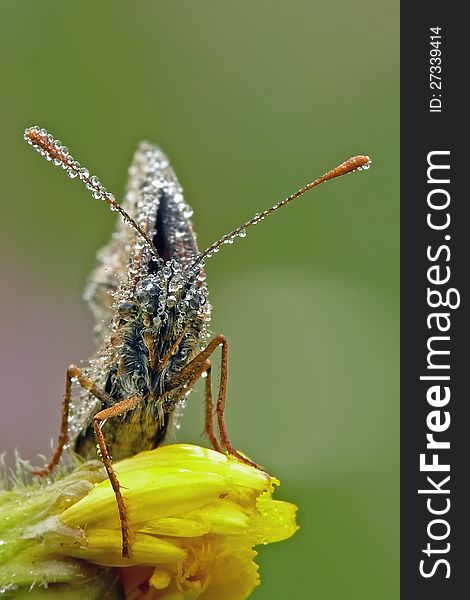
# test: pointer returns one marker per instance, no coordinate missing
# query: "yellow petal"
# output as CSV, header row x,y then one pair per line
x,y
176,527
163,492
273,521
104,548
223,517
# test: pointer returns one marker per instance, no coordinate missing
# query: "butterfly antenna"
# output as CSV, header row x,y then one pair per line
x,y
356,163
55,152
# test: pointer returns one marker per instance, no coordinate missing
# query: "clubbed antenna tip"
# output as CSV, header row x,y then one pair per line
x,y
59,155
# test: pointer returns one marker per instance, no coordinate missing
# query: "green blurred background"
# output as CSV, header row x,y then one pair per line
x,y
250,100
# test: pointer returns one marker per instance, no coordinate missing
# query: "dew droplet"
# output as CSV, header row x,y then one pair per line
x,y
171,301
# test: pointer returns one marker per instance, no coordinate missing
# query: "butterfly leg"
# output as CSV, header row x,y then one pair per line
x,y
209,415
220,408
86,383
194,366
206,367
114,411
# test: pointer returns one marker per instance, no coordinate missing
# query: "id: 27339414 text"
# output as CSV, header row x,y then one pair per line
x,y
435,69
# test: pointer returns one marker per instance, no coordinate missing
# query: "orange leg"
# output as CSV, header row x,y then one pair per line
x,y
73,372
220,409
196,366
172,349
209,417
209,411
113,411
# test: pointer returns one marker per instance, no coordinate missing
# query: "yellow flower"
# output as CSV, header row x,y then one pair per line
x,y
194,516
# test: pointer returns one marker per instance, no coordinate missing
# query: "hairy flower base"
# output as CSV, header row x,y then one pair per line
x,y
194,516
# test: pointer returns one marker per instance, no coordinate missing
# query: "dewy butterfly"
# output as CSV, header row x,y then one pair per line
x,y
149,296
